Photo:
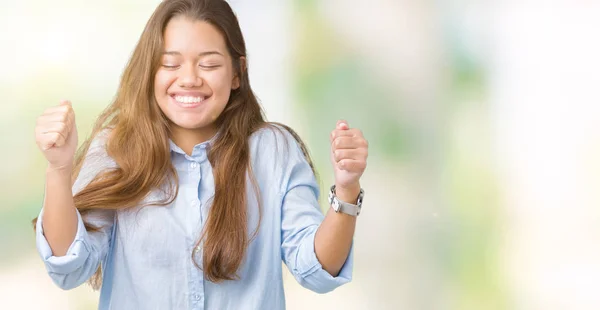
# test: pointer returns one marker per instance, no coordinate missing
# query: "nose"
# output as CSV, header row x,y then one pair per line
x,y
189,78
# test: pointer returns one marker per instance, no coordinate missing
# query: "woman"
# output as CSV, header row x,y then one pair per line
x,y
185,197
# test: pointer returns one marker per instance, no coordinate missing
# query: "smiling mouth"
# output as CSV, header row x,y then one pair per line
x,y
189,99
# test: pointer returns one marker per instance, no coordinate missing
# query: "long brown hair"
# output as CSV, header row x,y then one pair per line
x,y
135,119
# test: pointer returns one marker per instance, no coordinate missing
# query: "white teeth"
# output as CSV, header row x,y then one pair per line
x,y
188,99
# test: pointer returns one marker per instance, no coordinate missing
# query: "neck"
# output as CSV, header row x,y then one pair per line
x,y
186,139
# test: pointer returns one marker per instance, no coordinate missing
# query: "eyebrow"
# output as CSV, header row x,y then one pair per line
x,y
174,53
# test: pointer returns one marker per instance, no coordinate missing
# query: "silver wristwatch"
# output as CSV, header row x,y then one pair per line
x,y
344,207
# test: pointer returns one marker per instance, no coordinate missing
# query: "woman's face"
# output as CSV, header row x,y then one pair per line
x,y
195,77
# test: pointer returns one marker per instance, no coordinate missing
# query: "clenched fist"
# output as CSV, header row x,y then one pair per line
x,y
349,151
56,135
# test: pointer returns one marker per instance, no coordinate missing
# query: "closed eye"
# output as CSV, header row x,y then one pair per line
x,y
209,67
170,66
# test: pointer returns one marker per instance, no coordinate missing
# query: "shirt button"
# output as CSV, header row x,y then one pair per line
x,y
196,297
194,165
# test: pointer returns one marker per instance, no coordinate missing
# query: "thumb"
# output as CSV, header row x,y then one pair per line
x,y
65,102
342,124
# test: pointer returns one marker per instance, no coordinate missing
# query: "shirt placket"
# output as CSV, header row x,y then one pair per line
x,y
196,278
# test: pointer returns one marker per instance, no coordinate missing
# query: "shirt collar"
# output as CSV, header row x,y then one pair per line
x,y
199,150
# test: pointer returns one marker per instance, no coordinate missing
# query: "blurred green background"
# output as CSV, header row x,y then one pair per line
x,y
483,121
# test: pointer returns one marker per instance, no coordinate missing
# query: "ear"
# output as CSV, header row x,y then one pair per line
x,y
235,83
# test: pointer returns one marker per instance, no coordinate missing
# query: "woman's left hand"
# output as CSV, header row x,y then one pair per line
x,y
349,151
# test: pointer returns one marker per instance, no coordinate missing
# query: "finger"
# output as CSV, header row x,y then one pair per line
x,y
60,134
63,128
58,127
352,165
349,143
342,124
343,143
64,102
340,133
55,117
71,120
354,132
355,154
57,109
50,140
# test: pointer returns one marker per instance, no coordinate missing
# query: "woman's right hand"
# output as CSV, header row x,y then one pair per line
x,y
56,136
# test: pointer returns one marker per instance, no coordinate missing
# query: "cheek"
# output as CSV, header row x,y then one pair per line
x,y
219,82
162,81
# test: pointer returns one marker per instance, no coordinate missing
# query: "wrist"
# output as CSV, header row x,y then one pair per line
x,y
348,193
64,171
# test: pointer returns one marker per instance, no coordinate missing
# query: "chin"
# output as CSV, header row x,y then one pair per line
x,y
190,125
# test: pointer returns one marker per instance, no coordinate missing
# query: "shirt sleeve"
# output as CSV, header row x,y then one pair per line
x,y
88,249
301,216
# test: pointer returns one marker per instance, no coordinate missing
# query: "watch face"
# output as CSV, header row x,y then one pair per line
x,y
360,198
333,202
336,205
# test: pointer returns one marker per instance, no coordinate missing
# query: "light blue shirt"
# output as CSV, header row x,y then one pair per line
x,y
146,252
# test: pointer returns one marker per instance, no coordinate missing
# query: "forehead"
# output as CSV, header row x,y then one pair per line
x,y
186,35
